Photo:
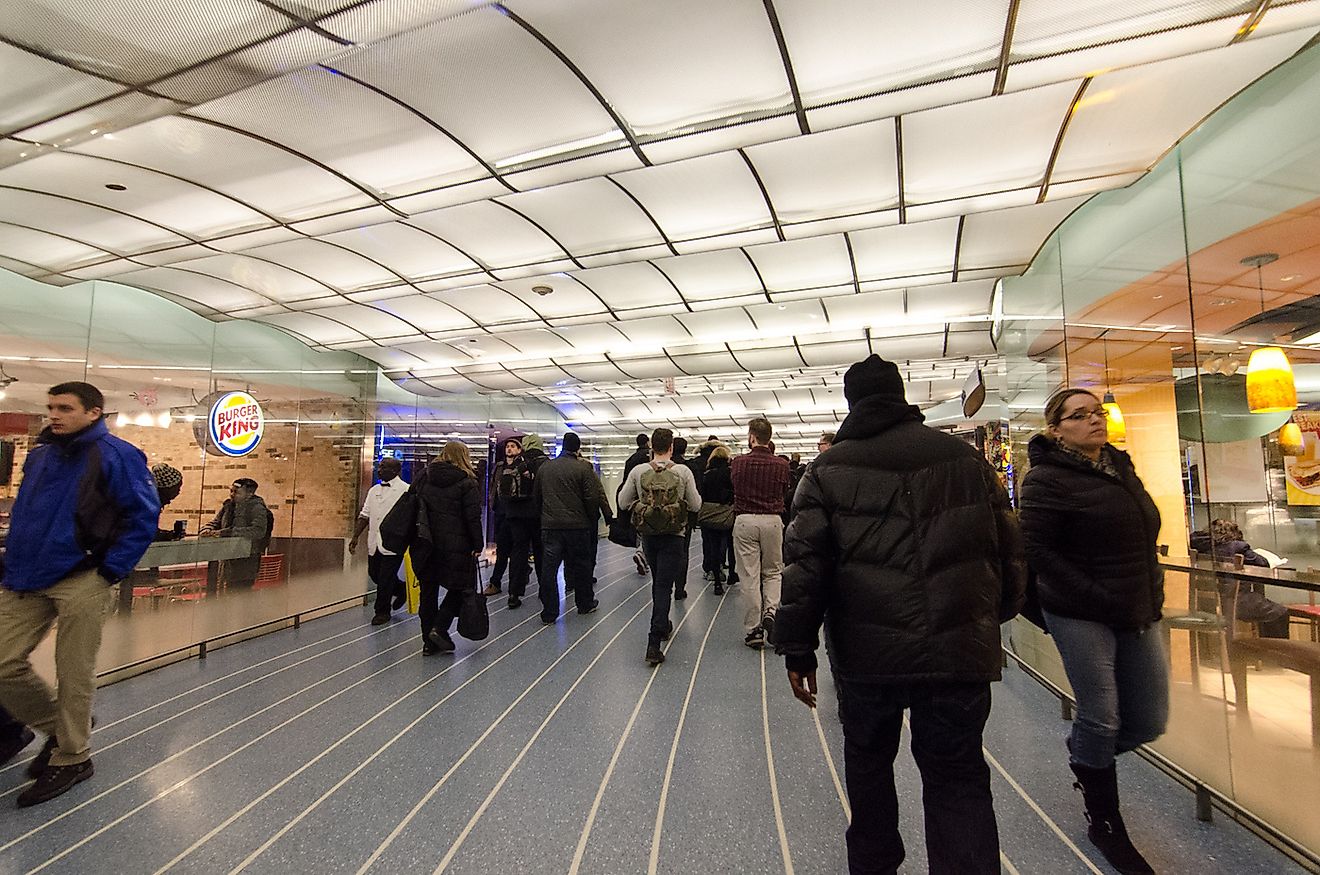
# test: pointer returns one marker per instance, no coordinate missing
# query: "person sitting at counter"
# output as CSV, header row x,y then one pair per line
x,y
1224,540
243,515
169,483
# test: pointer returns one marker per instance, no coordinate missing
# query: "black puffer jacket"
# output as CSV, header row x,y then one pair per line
x,y
452,503
903,542
717,483
570,494
1090,538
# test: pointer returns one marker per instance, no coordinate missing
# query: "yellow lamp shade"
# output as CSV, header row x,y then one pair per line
x,y
1290,440
1114,425
1270,387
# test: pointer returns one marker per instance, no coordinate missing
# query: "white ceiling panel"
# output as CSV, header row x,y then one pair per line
x,y
644,368
253,239
216,293
987,145
725,241
982,203
626,286
848,48
45,249
568,298
625,256
336,267
803,264
409,251
708,275
255,173
35,89
849,170
316,328
342,221
865,310
938,303
425,312
387,147
655,332
539,342
722,326
1044,27
707,363
1010,236
495,236
835,352
722,61
592,371
487,304
615,160
722,139
700,196
91,224
901,102
757,358
528,83
905,250
274,281
788,319
369,321
593,215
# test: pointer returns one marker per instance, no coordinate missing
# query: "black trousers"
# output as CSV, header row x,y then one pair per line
x,y
458,575
524,537
714,545
384,572
575,549
947,725
668,561
503,542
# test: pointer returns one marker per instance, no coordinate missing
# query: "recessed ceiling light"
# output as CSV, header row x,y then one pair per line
x,y
1157,298
542,290
1288,279
114,186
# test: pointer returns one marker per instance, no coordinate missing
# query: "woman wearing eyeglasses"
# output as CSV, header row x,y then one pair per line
x,y
1090,529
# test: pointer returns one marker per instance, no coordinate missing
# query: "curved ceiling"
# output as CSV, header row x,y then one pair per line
x,y
742,195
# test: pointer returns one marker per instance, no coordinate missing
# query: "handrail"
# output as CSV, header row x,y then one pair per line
x,y
201,646
1206,796
1288,577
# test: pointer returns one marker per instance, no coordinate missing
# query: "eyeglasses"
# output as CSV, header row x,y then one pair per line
x,y
1083,415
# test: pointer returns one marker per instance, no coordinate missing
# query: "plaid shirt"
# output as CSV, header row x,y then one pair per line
x,y
760,481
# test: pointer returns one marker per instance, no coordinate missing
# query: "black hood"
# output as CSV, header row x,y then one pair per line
x,y
445,474
1045,450
874,414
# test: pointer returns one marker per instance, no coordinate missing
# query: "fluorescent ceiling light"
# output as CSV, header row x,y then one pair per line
x,y
613,136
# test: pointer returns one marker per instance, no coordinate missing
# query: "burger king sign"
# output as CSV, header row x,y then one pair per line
x,y
235,424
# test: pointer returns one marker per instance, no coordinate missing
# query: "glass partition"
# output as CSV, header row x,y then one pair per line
x,y
1159,294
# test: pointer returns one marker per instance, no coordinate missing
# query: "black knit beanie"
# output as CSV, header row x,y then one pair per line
x,y
873,376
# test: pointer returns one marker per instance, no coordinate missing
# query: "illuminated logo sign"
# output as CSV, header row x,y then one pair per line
x,y
236,424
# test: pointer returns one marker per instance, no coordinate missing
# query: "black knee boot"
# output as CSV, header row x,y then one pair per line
x,y
1106,831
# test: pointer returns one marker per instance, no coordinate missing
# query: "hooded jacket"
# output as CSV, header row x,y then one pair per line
x,y
452,504
1090,538
904,544
69,516
532,458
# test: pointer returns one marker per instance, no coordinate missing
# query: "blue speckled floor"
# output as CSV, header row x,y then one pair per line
x,y
338,747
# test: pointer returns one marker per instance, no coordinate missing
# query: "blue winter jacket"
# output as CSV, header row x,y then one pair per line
x,y
65,520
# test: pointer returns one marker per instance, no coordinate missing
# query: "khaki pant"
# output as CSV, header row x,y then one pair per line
x,y
758,549
81,602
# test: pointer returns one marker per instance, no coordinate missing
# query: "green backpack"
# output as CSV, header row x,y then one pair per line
x,y
661,507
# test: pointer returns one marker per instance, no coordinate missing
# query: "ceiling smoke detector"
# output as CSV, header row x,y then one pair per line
x,y
542,290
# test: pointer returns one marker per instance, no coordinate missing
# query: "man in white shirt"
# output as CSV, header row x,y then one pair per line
x,y
382,565
662,494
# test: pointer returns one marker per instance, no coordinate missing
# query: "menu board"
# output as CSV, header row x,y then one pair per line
x,y
1303,472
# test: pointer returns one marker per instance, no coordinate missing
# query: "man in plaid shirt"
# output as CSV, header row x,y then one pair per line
x,y
760,480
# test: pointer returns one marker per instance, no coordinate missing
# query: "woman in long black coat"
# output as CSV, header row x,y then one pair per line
x,y
1090,530
451,501
716,488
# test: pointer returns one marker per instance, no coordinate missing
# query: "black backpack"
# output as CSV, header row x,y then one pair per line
x,y
264,541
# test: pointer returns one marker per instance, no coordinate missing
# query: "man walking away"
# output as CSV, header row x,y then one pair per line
x,y
904,544
243,515
570,496
680,586
86,512
760,480
640,457
382,565
660,495
523,517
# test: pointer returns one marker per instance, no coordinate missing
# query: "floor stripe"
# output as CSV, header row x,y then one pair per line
x,y
499,785
1041,813
829,761
581,849
229,821
654,862
435,788
774,782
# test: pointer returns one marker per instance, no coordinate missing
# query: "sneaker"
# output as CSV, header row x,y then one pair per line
x,y
380,619
492,589
11,747
514,602
53,781
768,624
591,608
654,655
640,561
755,639
440,638
42,759
679,595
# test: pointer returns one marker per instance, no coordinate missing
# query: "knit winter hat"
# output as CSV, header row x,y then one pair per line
x,y
873,376
167,476
572,443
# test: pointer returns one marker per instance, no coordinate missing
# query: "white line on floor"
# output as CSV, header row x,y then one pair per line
x,y
581,850
654,861
423,685
499,785
829,761
1040,812
774,782
435,788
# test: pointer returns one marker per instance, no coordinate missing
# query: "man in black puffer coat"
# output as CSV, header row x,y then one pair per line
x,y
904,544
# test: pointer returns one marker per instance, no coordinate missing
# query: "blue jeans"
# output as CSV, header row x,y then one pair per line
x,y
1121,683
948,721
575,549
667,556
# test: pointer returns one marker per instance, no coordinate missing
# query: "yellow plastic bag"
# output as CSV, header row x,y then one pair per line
x,y
413,589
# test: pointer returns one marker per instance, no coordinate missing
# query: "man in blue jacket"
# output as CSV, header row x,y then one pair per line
x,y
86,511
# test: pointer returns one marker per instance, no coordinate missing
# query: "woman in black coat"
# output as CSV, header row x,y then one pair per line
x,y
1090,530
716,488
451,502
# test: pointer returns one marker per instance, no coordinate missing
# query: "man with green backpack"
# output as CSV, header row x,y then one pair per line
x,y
660,495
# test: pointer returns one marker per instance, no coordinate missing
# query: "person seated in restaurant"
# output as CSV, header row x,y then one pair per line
x,y
1223,541
243,515
169,483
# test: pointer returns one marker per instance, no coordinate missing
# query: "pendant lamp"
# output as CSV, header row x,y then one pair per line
x,y
1290,440
1270,386
1114,425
